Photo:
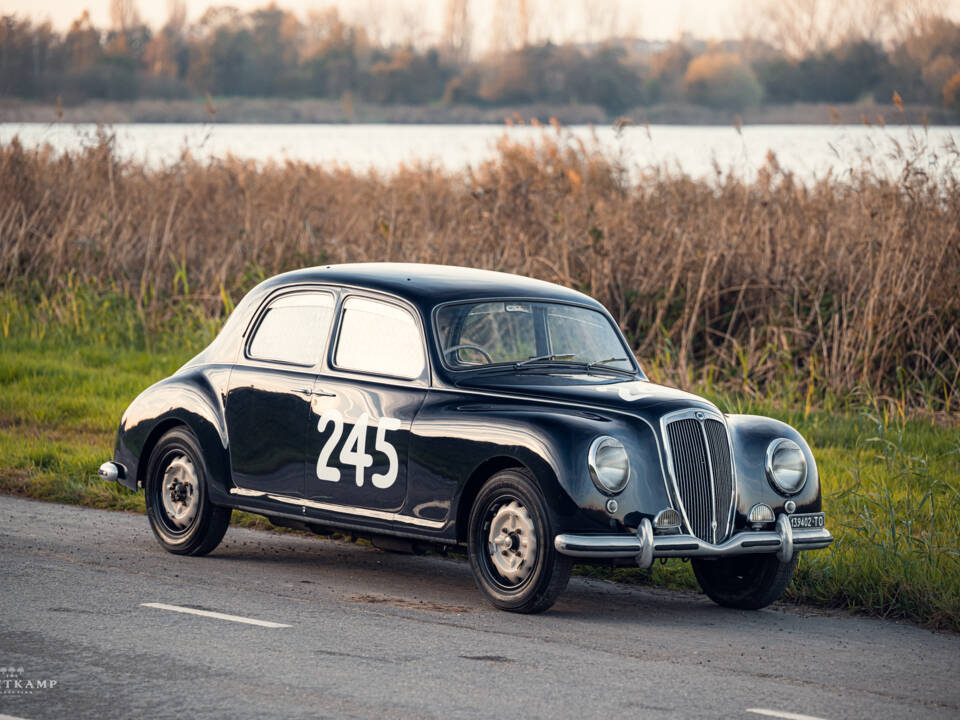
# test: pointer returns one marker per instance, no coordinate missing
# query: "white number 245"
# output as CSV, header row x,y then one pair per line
x,y
354,449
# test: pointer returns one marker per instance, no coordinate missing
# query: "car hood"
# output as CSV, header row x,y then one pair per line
x,y
631,395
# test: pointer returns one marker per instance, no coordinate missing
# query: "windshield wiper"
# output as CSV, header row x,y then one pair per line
x,y
608,360
544,358
596,364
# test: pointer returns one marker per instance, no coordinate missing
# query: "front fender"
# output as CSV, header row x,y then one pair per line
x,y
189,398
457,442
751,435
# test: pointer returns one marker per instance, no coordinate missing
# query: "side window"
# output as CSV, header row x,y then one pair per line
x,y
379,338
294,329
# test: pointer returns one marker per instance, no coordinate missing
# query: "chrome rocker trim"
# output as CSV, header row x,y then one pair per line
x,y
343,509
645,546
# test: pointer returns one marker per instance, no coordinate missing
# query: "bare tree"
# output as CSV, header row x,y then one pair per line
x,y
457,31
408,21
909,17
802,27
370,16
523,23
500,40
176,16
124,14
601,20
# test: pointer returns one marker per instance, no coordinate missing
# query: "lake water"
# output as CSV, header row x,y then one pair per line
x,y
809,151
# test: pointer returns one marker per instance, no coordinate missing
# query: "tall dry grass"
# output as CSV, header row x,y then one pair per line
x,y
748,286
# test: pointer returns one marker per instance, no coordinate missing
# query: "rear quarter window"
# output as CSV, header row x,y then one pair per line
x,y
294,329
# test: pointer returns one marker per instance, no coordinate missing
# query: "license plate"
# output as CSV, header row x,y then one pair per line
x,y
811,520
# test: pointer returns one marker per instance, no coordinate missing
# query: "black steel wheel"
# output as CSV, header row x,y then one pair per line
x,y
181,515
510,543
745,582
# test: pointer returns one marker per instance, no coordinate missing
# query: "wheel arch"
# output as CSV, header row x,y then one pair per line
x,y
182,401
161,429
541,471
483,472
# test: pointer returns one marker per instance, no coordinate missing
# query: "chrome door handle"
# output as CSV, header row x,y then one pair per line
x,y
316,393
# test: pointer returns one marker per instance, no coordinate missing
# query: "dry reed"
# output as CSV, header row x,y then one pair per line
x,y
835,285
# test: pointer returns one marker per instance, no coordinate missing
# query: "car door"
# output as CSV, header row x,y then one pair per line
x,y
268,398
364,401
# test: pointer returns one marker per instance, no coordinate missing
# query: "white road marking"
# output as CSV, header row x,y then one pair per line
x,y
782,714
211,614
9,717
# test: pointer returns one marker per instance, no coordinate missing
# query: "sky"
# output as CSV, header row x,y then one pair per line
x,y
421,21
655,19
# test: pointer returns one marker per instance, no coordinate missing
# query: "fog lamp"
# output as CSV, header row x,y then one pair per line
x,y
760,513
667,519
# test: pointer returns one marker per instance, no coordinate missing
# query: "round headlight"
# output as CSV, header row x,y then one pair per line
x,y
786,466
609,465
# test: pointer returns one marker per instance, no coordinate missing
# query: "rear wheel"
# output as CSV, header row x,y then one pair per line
x,y
181,515
745,582
510,541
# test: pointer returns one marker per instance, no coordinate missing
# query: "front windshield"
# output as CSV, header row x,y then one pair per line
x,y
481,334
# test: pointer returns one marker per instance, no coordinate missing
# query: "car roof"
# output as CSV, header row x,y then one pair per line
x,y
431,285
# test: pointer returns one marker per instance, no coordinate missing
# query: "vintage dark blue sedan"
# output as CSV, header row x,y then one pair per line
x,y
427,406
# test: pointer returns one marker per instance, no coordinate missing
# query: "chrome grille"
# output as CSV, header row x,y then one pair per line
x,y
702,469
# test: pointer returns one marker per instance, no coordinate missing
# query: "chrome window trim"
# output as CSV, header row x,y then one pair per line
x,y
391,301
601,310
701,414
253,327
344,509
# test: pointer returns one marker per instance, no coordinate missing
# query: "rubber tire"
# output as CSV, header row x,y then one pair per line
x,y
552,572
210,523
745,582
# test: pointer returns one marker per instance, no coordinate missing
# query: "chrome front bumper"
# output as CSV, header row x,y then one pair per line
x,y
646,547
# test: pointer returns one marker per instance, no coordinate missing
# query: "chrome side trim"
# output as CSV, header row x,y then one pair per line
x,y
783,541
246,493
343,509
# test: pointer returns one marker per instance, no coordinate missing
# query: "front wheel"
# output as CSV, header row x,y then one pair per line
x,y
181,515
745,582
510,543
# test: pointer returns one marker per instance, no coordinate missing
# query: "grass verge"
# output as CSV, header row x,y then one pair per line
x,y
891,483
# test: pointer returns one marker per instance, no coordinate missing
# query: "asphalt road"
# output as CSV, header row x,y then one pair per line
x,y
369,634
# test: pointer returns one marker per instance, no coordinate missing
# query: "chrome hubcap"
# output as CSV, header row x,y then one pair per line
x,y
180,491
512,542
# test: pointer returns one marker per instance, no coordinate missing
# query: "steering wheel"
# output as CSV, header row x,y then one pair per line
x,y
480,350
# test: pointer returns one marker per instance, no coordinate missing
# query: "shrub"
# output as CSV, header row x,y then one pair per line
x,y
951,92
721,80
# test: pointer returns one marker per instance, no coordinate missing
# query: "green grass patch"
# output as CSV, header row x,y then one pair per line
x,y
891,484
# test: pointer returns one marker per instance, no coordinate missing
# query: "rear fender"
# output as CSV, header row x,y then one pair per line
x,y
189,399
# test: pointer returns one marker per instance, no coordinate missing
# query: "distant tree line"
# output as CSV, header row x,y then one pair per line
x,y
271,52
